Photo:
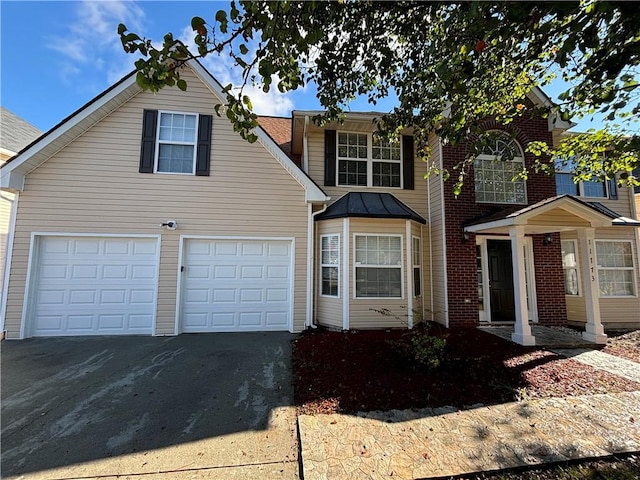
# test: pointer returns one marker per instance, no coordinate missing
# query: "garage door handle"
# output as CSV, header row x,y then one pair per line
x,y
182,268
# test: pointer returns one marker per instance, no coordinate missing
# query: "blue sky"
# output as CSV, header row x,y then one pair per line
x,y
56,56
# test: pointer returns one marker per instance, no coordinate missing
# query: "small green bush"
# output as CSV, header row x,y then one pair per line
x,y
428,350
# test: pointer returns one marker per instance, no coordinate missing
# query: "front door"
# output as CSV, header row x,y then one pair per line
x,y
501,281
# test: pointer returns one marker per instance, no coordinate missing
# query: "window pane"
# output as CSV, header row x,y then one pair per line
x,y
416,251
594,189
175,158
569,254
565,184
378,282
615,282
571,281
494,181
330,281
176,127
417,282
614,254
352,172
386,174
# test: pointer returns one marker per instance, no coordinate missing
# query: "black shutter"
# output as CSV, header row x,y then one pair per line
x,y
330,158
148,148
203,153
613,188
407,162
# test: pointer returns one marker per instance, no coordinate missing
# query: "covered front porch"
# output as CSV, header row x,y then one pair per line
x,y
506,255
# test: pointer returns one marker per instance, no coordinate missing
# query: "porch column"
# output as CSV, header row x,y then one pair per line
x,y
594,332
522,329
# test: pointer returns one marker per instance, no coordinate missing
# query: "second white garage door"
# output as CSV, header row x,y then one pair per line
x,y
236,285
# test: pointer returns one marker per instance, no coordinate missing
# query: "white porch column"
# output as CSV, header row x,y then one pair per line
x,y
522,329
594,332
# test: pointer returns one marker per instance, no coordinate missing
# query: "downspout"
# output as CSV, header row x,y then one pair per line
x,y
311,264
311,261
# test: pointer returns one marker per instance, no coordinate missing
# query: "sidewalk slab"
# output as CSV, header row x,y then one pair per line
x,y
429,443
603,361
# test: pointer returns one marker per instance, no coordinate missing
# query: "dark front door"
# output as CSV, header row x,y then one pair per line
x,y
501,281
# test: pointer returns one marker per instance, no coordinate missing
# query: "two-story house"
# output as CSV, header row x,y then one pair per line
x,y
147,214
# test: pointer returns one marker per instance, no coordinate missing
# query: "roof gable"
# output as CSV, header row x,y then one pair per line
x,y
13,173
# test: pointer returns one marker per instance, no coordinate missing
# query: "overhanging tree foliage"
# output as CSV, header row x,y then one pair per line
x,y
451,65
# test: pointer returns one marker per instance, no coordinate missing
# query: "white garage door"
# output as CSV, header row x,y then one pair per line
x,y
236,285
94,286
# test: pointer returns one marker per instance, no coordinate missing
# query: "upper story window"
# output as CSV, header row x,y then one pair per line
x,y
364,160
565,184
496,169
176,143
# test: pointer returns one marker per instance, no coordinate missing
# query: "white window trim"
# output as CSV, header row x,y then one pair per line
x,y
330,265
158,142
576,268
519,159
356,265
632,268
580,186
369,160
415,238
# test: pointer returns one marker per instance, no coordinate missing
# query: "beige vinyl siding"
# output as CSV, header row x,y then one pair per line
x,y
622,206
360,314
558,218
618,312
413,198
93,186
436,231
329,309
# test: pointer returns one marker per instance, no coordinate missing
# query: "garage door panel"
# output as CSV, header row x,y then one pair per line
x,y
248,283
95,286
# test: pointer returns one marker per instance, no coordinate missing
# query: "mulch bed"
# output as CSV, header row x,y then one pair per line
x,y
624,344
367,370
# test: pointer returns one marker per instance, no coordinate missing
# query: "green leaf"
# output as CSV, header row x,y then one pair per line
x,y
182,84
197,23
243,49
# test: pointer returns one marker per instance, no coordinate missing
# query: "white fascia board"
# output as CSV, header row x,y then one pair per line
x,y
313,193
12,181
504,223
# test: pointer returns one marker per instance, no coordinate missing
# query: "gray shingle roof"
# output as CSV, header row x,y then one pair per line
x,y
15,133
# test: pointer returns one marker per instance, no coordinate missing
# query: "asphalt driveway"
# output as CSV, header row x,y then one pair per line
x,y
191,406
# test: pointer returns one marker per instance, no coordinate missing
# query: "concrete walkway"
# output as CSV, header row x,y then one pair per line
x,y
548,337
431,443
603,361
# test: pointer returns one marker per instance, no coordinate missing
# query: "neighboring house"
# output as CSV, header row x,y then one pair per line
x,y
146,214
15,134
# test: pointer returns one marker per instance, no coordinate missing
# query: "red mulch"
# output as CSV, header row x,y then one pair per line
x,y
366,370
625,345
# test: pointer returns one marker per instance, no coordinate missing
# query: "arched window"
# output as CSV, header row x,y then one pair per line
x,y
498,162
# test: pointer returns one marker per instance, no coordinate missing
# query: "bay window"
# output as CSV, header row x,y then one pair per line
x,y
378,266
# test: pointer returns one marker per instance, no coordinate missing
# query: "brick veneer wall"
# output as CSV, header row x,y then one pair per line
x,y
461,256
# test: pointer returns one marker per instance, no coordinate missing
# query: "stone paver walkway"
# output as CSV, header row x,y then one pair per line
x,y
549,337
603,361
431,443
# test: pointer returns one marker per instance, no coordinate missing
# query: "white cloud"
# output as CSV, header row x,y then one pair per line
x,y
224,70
91,40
